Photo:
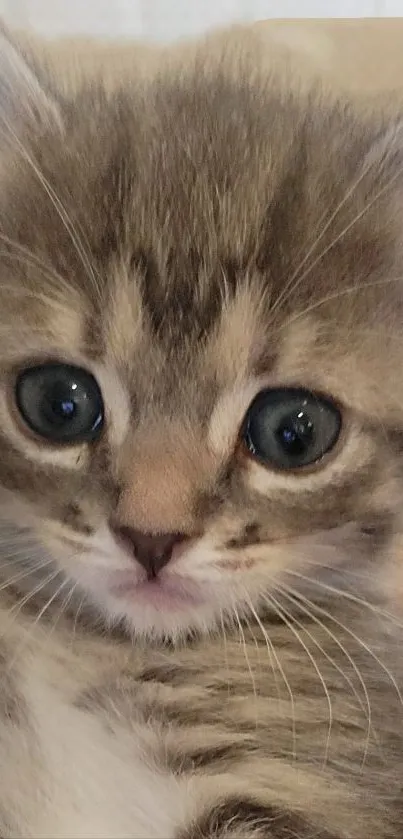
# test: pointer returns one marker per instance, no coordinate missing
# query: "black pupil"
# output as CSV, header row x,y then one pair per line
x,y
296,433
58,404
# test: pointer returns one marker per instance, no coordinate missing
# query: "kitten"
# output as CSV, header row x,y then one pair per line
x,y
200,457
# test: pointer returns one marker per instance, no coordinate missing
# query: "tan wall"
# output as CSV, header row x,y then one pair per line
x,y
358,55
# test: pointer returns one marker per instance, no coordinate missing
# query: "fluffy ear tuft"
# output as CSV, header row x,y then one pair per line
x,y
23,99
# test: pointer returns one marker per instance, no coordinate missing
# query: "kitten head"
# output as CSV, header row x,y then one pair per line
x,y
200,340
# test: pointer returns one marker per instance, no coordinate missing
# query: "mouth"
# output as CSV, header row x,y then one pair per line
x,y
173,593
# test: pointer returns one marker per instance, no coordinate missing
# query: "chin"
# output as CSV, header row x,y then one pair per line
x,y
150,623
158,617
168,608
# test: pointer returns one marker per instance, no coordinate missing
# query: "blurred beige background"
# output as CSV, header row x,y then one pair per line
x,y
164,20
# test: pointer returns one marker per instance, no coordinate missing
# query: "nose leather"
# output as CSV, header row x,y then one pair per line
x,y
152,551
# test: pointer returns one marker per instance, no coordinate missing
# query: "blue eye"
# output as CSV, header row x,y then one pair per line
x,y
60,403
290,427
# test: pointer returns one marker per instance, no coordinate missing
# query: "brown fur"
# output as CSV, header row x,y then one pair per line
x,y
192,239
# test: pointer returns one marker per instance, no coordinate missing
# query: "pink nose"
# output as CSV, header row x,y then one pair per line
x,y
152,551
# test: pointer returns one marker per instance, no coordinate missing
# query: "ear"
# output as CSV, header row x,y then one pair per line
x,y
24,100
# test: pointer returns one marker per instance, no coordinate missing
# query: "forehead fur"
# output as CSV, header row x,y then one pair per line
x,y
187,220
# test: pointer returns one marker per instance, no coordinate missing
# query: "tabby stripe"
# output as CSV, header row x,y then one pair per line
x,y
243,818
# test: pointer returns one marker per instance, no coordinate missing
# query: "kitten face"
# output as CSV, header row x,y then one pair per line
x,y
172,253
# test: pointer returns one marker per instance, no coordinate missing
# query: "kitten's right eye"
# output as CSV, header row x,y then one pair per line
x,y
60,402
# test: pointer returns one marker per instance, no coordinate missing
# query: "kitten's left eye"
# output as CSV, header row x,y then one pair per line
x,y
60,403
290,427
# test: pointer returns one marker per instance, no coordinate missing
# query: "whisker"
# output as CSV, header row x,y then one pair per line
x,y
359,640
16,609
299,279
48,603
245,652
346,594
22,254
64,606
12,559
78,611
353,289
348,194
294,598
26,573
290,286
272,652
57,204
288,618
225,646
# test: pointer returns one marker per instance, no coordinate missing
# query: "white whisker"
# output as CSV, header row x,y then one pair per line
x,y
26,573
245,652
19,605
353,598
225,647
64,606
16,609
294,598
57,204
288,619
78,612
359,640
297,277
48,603
344,292
272,653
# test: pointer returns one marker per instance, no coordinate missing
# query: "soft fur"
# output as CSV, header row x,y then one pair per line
x,y
190,240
